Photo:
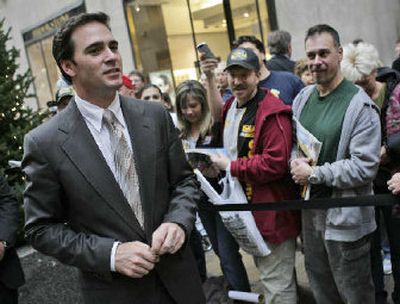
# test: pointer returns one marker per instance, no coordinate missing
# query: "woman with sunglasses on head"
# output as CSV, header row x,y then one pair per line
x,y
199,131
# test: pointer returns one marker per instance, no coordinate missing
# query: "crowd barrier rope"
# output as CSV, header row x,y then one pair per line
x,y
319,203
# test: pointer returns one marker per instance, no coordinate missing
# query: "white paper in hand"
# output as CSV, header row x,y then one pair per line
x,y
240,224
307,145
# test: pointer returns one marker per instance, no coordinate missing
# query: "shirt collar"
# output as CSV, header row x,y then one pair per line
x,y
93,114
257,98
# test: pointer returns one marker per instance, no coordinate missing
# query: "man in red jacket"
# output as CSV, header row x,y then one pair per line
x,y
257,136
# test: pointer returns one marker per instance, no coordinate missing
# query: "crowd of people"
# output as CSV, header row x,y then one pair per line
x,y
110,191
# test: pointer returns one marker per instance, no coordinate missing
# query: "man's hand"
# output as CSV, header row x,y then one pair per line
x,y
301,170
208,66
384,156
134,259
394,183
220,160
168,238
394,186
2,251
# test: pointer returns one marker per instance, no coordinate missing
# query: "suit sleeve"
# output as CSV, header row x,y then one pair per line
x,y
46,226
8,213
185,191
272,162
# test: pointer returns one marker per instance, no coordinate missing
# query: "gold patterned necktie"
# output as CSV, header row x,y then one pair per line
x,y
124,164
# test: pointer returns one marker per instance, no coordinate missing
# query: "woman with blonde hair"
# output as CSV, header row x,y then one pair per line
x,y
198,130
194,117
361,65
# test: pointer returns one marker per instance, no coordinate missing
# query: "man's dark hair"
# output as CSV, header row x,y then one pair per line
x,y
279,42
323,28
63,46
150,85
251,39
138,74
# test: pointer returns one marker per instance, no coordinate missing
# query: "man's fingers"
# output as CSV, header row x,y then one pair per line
x,y
178,245
173,237
134,259
142,263
158,239
174,241
137,272
170,240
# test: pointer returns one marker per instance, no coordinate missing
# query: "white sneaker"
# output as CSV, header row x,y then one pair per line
x,y
387,266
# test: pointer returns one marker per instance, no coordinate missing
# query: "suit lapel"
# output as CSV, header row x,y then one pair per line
x,y
84,153
142,133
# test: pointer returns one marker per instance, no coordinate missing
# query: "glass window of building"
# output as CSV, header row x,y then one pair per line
x,y
164,33
250,17
37,63
38,44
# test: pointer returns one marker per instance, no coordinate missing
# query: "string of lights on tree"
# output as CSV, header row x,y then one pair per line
x,y
16,119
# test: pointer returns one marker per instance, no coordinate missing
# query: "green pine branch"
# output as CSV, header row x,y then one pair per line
x,y
16,119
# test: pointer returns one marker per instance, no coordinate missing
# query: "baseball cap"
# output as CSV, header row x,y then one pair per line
x,y
63,92
243,57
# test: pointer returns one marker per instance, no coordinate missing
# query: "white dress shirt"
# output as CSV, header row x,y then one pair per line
x,y
93,116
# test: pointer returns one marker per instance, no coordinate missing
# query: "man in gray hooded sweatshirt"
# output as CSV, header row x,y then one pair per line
x,y
346,121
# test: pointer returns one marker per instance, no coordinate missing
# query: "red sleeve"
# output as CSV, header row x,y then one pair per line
x,y
272,153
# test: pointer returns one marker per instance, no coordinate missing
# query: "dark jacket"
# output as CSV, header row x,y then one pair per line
x,y
280,63
391,140
392,79
396,65
268,170
11,274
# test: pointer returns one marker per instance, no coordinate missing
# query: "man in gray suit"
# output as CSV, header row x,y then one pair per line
x,y
108,187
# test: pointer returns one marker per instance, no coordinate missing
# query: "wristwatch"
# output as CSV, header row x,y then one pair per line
x,y
312,179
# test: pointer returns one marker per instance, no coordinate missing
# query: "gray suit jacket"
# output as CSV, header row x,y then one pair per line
x,y
75,209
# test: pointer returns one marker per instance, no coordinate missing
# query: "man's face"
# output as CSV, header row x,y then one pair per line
x,y
260,55
243,83
137,82
323,58
222,79
96,65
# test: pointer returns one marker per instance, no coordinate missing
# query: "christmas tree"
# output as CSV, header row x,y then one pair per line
x,y
15,118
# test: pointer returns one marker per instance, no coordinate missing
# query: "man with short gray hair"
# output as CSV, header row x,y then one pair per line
x,y
346,121
280,47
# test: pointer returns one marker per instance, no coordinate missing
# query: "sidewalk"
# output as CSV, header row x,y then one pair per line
x,y
214,270
49,282
304,292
